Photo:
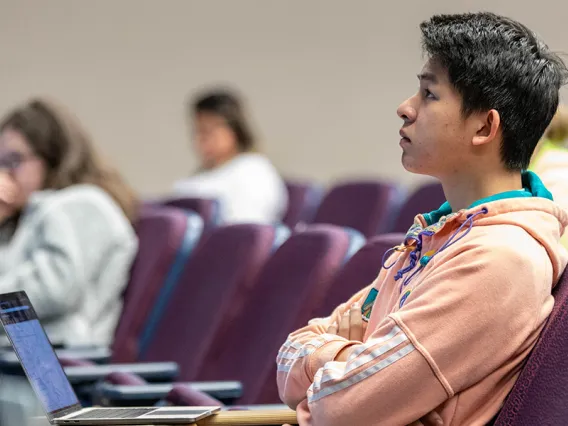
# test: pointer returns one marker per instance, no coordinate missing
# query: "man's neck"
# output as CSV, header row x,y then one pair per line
x,y
463,190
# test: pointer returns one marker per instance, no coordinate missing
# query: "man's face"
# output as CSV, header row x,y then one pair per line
x,y
436,139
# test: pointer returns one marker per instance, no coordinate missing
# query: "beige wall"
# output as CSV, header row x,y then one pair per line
x,y
323,77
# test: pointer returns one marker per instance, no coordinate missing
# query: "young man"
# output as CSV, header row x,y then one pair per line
x,y
458,306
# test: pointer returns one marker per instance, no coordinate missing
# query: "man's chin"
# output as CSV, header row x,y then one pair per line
x,y
411,166
408,163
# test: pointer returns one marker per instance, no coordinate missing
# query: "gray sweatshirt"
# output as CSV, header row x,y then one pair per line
x,y
71,252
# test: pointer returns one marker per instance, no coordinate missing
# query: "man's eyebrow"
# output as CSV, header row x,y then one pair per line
x,y
428,76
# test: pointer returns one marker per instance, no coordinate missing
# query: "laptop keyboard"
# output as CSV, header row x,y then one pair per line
x,y
114,413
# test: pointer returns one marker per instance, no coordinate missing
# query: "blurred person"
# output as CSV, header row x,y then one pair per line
x,y
550,160
231,169
66,234
442,334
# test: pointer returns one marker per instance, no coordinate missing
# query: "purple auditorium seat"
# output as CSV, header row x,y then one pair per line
x,y
539,395
426,198
214,285
180,393
207,208
74,362
367,206
166,238
120,378
359,271
289,289
303,200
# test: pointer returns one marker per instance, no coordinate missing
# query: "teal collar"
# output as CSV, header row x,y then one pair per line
x,y
532,187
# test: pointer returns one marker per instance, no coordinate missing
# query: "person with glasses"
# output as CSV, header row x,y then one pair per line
x,y
66,234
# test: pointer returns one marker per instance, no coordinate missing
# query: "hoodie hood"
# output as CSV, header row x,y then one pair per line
x,y
531,208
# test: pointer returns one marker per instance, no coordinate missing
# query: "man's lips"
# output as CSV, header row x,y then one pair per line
x,y
404,137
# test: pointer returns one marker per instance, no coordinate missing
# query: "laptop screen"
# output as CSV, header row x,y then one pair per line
x,y
36,353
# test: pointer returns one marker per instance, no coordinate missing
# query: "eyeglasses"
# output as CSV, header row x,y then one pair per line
x,y
11,161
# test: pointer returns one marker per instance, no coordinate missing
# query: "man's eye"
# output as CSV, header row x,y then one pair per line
x,y
428,94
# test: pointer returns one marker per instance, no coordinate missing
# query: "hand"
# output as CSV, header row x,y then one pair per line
x,y
8,196
8,189
351,325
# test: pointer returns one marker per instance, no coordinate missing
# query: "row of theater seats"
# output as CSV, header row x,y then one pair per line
x,y
220,303
370,207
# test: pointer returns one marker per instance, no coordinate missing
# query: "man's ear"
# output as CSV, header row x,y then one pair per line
x,y
488,127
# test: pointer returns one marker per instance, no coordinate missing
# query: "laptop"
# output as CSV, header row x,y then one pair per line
x,y
50,384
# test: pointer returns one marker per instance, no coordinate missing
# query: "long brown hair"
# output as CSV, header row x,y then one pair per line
x,y
59,139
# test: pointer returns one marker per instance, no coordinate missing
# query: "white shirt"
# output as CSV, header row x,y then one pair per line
x,y
248,187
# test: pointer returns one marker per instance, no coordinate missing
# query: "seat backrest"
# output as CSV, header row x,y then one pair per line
x,y
167,236
426,198
539,395
290,287
304,199
367,206
359,271
212,290
207,208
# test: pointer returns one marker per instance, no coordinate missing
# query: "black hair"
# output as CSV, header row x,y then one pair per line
x,y
497,63
227,105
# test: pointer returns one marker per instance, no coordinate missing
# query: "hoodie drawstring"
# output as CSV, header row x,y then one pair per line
x,y
424,260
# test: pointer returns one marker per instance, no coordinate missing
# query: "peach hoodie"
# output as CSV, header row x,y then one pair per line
x,y
451,317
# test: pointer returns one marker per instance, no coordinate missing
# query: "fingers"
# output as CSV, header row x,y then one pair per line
x,y
356,330
351,325
344,326
8,190
332,329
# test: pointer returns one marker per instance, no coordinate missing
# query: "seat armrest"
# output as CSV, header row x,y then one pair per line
x,y
10,364
152,371
96,354
109,394
256,407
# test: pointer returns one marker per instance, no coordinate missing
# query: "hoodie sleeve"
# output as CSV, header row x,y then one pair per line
x,y
295,367
474,312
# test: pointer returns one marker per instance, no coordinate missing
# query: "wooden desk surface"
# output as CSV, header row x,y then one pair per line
x,y
251,417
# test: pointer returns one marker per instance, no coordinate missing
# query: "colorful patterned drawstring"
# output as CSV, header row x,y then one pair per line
x,y
399,248
415,254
